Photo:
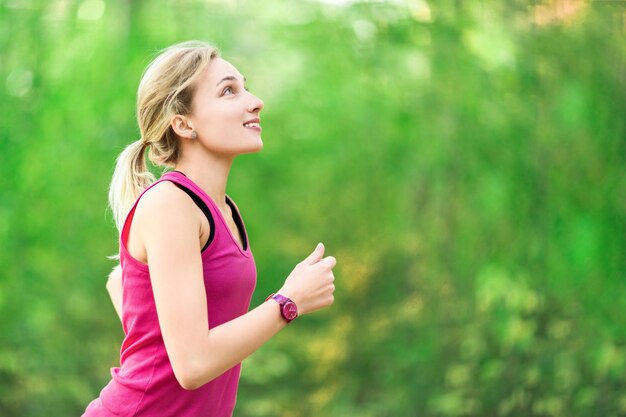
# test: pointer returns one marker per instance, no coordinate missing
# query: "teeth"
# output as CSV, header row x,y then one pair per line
x,y
251,124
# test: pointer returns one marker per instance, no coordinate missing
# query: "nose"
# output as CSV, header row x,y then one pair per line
x,y
256,104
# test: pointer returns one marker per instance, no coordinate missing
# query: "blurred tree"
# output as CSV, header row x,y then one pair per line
x,y
463,161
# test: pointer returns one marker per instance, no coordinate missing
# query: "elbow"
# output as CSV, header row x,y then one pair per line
x,y
186,376
192,367
191,377
187,381
188,384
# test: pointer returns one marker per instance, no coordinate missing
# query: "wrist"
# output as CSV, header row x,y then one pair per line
x,y
292,295
288,308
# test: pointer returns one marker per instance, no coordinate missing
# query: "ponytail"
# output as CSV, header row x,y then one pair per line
x,y
130,179
166,89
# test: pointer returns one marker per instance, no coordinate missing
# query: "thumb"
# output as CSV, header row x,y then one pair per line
x,y
317,254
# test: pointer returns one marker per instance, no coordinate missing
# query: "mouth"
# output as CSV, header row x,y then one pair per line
x,y
254,124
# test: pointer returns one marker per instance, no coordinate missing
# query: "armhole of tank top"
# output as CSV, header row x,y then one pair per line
x,y
202,205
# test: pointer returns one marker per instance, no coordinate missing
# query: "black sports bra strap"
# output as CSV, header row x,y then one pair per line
x,y
201,204
238,222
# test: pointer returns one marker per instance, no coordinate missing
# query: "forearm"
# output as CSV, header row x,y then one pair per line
x,y
114,288
230,343
199,352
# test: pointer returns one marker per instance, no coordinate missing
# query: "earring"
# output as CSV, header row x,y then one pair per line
x,y
194,135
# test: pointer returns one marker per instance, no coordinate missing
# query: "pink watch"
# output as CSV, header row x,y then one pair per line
x,y
288,308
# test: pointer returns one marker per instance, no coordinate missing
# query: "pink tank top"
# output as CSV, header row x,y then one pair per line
x,y
144,384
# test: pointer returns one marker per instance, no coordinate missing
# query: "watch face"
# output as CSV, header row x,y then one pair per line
x,y
290,311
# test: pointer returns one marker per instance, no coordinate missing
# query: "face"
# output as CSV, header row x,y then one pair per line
x,y
225,115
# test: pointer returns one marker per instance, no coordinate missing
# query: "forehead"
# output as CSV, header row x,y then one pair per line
x,y
219,68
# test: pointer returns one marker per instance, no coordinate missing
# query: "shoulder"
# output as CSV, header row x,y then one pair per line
x,y
165,202
163,193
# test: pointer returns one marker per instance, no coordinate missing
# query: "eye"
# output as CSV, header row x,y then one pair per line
x,y
230,88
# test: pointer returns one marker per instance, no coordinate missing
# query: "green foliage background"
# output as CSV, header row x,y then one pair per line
x,y
464,161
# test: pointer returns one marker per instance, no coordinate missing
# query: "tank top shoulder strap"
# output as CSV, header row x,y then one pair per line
x,y
215,209
181,181
131,213
184,184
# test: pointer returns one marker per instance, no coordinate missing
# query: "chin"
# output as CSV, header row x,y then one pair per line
x,y
257,148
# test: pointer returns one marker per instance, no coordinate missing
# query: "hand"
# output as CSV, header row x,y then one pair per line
x,y
310,284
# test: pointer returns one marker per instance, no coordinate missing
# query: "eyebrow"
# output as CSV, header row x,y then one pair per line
x,y
229,77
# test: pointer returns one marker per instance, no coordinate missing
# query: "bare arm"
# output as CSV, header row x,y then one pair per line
x,y
169,231
114,287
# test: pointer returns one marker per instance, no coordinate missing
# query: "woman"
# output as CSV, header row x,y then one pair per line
x,y
187,269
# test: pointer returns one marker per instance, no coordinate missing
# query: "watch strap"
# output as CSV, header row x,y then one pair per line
x,y
282,301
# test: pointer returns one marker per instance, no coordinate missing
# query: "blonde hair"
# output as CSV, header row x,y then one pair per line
x,y
166,89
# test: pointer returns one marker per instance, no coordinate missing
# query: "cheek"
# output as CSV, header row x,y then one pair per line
x,y
206,120
215,120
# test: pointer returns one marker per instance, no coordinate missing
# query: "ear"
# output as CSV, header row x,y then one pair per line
x,y
180,125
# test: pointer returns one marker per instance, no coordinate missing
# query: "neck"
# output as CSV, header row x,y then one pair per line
x,y
209,172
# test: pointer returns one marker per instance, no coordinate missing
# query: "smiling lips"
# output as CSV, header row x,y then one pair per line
x,y
253,124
